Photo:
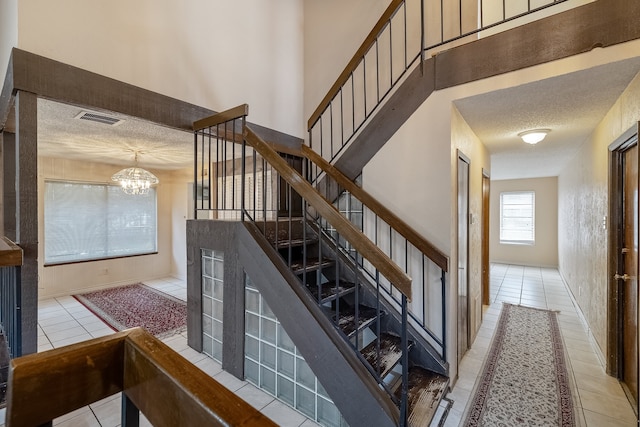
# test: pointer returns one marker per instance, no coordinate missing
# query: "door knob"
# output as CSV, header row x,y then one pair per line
x,y
624,277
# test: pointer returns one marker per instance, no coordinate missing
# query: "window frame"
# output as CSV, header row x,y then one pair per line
x,y
507,241
101,258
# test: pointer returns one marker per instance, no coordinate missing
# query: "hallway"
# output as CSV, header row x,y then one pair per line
x,y
599,399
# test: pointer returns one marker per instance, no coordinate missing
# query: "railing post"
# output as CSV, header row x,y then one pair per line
x,y
130,413
443,279
404,410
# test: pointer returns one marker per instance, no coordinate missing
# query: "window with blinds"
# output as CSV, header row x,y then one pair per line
x,y
90,221
517,217
258,197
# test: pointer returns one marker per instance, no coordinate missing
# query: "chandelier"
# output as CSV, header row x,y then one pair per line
x,y
135,180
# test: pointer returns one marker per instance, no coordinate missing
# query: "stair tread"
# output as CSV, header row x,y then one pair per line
x,y
390,353
330,291
366,315
285,243
298,266
426,390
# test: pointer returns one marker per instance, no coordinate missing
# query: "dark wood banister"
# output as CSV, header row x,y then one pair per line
x,y
10,253
344,227
352,65
164,386
405,230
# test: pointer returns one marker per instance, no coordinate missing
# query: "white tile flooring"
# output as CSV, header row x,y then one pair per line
x,y
600,398
63,321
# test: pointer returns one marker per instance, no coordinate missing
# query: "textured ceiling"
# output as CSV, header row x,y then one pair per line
x,y
60,134
570,105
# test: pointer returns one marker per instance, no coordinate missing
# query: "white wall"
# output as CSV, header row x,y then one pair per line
x,y
583,203
544,253
180,196
8,32
333,32
73,278
213,53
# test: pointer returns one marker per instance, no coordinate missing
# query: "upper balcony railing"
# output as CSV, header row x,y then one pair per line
x,y
10,295
405,33
153,379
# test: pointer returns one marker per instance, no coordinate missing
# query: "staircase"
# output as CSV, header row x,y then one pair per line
x,y
351,279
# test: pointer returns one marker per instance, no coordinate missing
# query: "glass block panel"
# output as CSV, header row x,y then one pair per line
x,y
285,390
304,374
207,269
207,325
268,355
252,324
286,364
266,311
268,330
217,351
306,402
284,341
252,301
251,347
217,310
217,330
321,390
207,286
218,289
207,253
328,414
248,284
207,306
251,371
268,380
207,345
218,269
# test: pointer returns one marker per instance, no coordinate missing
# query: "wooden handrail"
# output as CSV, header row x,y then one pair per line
x,y
224,116
353,64
344,227
404,229
10,253
166,388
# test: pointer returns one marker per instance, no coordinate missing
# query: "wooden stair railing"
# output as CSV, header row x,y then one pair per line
x,y
324,208
154,379
405,230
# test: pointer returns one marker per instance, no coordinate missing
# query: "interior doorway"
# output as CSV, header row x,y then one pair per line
x,y
463,254
623,265
486,184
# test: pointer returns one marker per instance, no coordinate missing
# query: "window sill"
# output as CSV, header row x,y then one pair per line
x,y
57,264
503,242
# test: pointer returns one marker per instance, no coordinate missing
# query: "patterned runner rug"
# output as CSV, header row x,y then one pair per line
x,y
524,380
138,305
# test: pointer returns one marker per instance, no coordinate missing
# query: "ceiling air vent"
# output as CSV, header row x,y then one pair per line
x,y
100,118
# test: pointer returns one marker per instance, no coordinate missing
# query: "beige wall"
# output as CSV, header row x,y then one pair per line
x,y
333,31
463,139
8,32
73,278
583,204
544,252
213,53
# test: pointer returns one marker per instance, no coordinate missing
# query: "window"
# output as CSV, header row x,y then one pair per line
x,y
86,221
517,221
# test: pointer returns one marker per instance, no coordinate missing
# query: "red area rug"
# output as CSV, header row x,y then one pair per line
x,y
137,305
525,379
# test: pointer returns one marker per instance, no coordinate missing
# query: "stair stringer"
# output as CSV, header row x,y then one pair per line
x,y
333,361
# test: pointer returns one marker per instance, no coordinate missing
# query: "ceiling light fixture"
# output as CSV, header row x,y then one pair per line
x,y
534,136
135,180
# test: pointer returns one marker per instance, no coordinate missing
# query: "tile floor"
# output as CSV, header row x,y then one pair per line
x,y
63,321
600,398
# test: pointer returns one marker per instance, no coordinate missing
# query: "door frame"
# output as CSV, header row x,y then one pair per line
x,y
614,254
460,156
485,235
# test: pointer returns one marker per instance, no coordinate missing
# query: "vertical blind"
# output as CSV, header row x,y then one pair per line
x,y
87,221
517,219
